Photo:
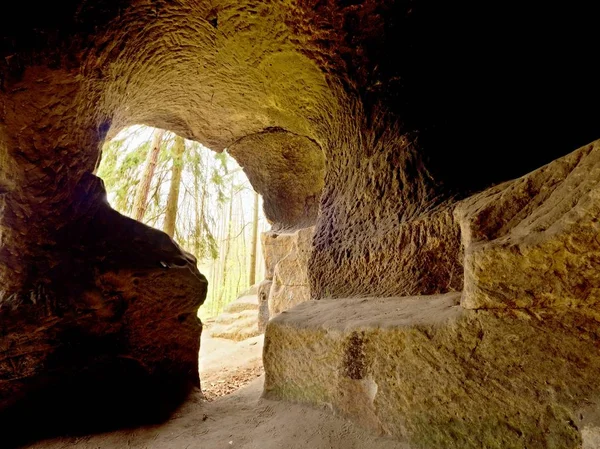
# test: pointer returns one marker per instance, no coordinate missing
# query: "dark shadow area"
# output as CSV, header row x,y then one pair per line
x,y
108,338
491,91
108,395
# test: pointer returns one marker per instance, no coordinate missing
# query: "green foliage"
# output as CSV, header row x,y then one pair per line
x,y
211,214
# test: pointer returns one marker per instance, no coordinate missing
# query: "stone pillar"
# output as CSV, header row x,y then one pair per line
x,y
286,281
290,274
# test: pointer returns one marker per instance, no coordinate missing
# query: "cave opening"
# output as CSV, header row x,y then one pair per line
x,y
216,209
204,201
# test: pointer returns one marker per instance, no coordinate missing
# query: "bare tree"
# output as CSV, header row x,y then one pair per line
x,y
254,243
140,202
224,267
173,198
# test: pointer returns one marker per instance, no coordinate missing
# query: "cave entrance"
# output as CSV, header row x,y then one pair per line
x,y
204,201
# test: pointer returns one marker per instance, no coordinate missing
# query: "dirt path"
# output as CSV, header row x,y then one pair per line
x,y
240,420
226,366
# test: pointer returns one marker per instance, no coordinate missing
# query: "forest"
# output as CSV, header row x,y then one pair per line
x,y
200,198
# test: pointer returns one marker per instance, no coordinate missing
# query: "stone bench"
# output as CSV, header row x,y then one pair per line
x,y
428,370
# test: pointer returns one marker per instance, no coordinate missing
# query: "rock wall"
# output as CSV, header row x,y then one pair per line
x,y
286,259
507,363
535,242
283,85
110,320
438,375
388,112
375,86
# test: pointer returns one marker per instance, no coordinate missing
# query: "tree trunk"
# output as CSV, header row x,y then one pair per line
x,y
254,242
173,198
201,228
224,286
197,226
140,202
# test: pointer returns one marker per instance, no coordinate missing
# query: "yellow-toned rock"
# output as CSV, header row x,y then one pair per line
x,y
535,241
426,369
290,277
240,319
275,247
286,260
263,304
420,256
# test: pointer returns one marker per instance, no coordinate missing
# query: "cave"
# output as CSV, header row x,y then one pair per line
x,y
438,162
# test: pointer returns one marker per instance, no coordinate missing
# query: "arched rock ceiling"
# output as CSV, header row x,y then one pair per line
x,y
213,72
212,81
288,170
216,71
412,103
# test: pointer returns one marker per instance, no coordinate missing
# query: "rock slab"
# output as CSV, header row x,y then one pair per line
x,y
286,262
426,369
535,242
240,318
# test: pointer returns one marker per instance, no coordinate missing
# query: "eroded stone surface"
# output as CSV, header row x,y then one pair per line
x,y
290,277
403,256
286,262
107,333
275,246
264,289
288,171
374,85
409,113
240,319
591,437
535,241
427,369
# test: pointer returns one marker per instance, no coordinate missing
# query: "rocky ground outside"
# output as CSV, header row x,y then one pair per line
x,y
226,365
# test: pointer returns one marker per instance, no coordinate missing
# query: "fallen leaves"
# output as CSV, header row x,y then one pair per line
x,y
229,382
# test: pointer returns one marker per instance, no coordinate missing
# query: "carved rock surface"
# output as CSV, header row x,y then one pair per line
x,y
403,256
373,85
275,246
535,242
517,372
398,96
264,288
288,171
286,259
442,376
108,334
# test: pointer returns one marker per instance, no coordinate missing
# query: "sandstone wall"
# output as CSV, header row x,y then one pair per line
x,y
507,363
110,319
534,242
280,84
429,371
388,112
286,260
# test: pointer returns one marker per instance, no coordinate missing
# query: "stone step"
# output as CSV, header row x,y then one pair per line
x,y
230,318
426,369
241,329
249,302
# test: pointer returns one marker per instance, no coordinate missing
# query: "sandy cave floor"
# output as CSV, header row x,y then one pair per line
x,y
238,420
